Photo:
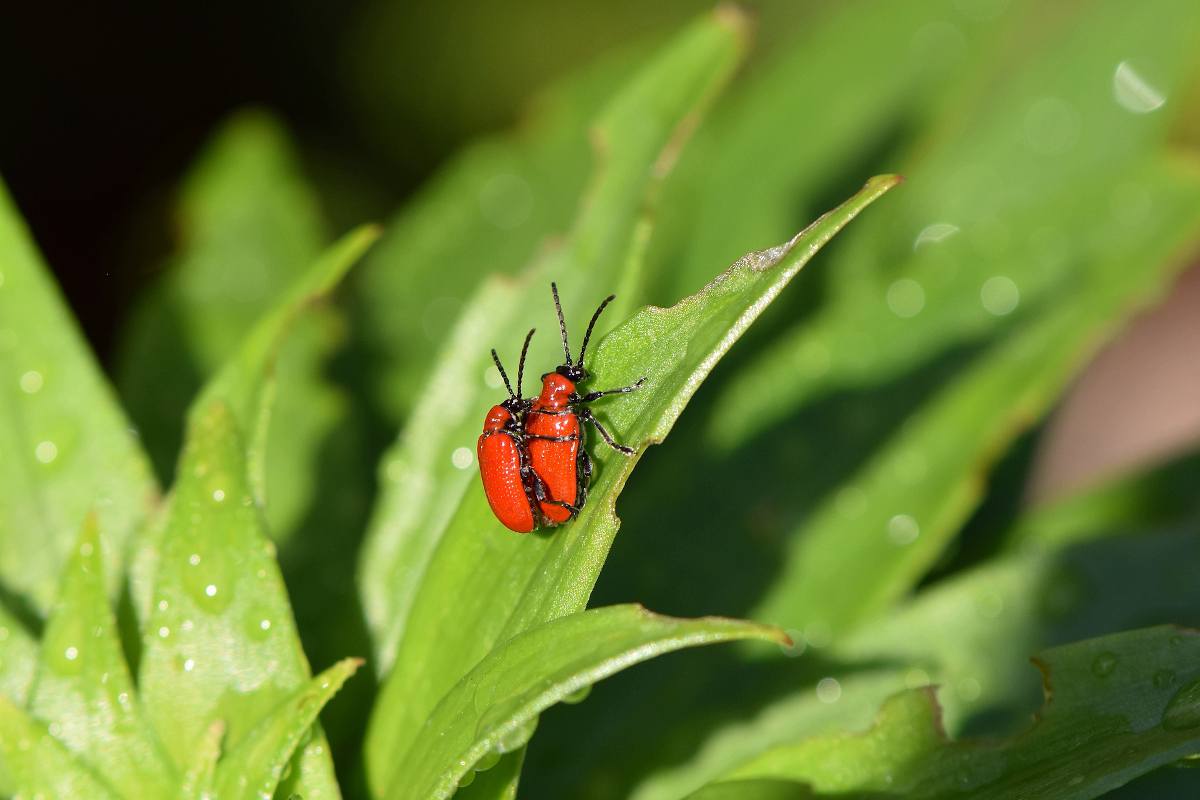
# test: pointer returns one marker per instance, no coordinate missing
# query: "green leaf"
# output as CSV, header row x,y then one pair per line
x,y
219,642
250,230
248,226
422,476
243,378
18,657
257,765
246,385
968,634
852,83
890,523
68,447
40,764
920,311
842,383
505,584
990,164
84,690
18,661
198,780
495,706
493,781
1156,497
755,790
503,197
1117,707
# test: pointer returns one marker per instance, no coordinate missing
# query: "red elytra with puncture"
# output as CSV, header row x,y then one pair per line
x,y
508,479
554,432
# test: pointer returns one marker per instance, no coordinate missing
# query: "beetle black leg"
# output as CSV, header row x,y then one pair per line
x,y
584,467
586,416
590,396
583,476
542,496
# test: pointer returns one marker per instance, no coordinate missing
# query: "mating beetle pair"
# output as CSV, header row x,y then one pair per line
x,y
532,458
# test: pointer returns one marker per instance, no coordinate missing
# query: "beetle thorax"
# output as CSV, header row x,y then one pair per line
x,y
497,418
556,392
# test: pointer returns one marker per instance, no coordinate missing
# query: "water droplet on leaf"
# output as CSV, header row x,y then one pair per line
x,y
1183,710
1104,664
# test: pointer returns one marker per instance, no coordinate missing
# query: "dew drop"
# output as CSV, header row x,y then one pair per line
x,y
515,738
905,298
1133,93
45,452
210,590
1104,664
817,634
164,632
218,495
798,645
969,689
194,559
1183,710
902,529
829,690
932,234
71,653
916,678
467,779
1163,678
579,695
490,759
31,382
491,378
257,624
999,295
461,458
163,605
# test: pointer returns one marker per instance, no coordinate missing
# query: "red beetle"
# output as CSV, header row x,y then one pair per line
x,y
554,431
508,479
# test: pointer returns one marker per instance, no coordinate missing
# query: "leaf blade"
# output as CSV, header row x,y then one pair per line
x,y
1102,726
258,763
507,690
72,447
84,687
517,583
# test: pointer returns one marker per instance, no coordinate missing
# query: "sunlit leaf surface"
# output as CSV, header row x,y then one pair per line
x,y
67,447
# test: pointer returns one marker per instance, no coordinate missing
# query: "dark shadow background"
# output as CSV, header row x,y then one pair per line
x,y
106,105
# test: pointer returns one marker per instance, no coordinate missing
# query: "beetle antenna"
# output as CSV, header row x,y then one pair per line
x,y
562,324
521,364
503,374
592,324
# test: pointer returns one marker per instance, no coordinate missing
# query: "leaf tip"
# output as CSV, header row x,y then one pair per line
x,y
737,18
879,184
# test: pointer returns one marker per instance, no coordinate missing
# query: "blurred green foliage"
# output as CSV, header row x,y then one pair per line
x,y
319,446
